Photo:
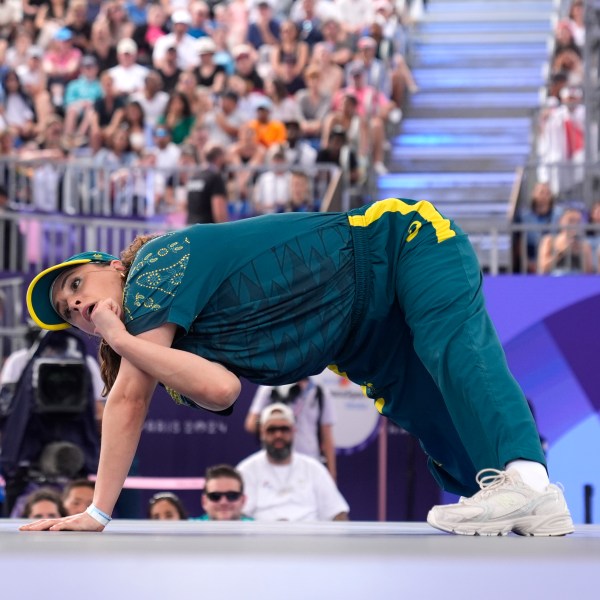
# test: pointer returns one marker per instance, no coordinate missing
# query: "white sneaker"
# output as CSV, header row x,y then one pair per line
x,y
505,504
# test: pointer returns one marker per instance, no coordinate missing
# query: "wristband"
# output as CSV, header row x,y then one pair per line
x,y
98,515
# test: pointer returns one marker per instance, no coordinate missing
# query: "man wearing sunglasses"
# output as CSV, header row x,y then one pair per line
x,y
284,485
223,497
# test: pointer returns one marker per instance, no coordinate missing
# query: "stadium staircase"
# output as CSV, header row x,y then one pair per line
x,y
480,66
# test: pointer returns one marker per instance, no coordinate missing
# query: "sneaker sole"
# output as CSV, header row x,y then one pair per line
x,y
542,526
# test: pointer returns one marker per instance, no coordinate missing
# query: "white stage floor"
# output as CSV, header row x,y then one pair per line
x,y
289,561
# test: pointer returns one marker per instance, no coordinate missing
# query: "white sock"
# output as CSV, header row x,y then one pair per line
x,y
532,473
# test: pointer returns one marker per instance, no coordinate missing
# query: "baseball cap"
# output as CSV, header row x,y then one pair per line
x,y
35,52
63,34
367,41
277,410
127,46
181,16
39,292
161,132
356,67
89,61
264,102
206,45
241,50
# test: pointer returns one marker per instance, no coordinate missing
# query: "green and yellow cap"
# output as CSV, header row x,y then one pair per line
x,y
39,292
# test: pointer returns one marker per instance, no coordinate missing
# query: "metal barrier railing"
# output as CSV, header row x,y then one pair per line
x,y
84,187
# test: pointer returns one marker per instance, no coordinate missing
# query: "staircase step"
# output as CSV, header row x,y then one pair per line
x,y
486,127
520,78
477,37
503,142
501,24
444,180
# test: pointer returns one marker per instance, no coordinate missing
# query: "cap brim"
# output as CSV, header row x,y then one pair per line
x,y
38,300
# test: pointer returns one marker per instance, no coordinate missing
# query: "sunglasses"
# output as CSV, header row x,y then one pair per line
x,y
216,496
281,429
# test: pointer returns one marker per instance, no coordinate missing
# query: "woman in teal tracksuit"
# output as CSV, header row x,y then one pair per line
x,y
388,294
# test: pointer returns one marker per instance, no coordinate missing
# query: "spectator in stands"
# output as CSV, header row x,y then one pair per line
x,y
299,154
337,152
245,157
134,122
313,104
16,54
50,17
284,485
152,98
77,22
200,25
35,84
577,21
313,414
232,20
178,117
332,75
107,111
593,234
168,69
174,204
290,55
116,16
302,197
181,40
223,496
101,46
570,62
564,39
309,25
128,75
61,64
148,32
567,251
245,67
77,495
207,191
81,93
208,73
272,189
377,73
199,99
166,157
264,27
540,212
284,106
224,120
337,41
355,15
561,144
43,503
17,109
137,11
166,506
268,131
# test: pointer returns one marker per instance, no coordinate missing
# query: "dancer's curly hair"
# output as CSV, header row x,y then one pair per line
x,y
110,361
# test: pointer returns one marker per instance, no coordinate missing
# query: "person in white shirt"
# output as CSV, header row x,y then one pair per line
x,y
181,40
284,485
152,98
272,189
128,76
313,412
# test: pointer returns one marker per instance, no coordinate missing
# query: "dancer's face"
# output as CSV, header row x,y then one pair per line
x,y
76,291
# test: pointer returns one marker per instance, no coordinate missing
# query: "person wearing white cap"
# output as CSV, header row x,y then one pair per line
x,y
209,74
128,76
181,40
284,485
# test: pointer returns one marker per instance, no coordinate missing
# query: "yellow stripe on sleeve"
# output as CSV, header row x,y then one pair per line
x,y
425,209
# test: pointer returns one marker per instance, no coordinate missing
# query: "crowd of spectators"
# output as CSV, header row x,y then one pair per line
x,y
120,84
562,234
